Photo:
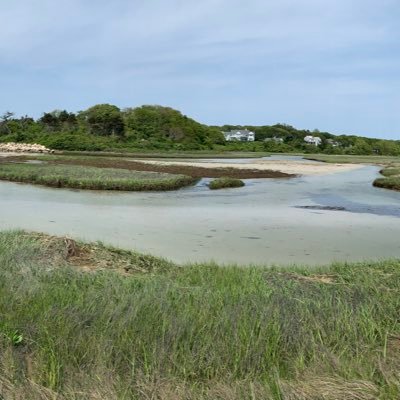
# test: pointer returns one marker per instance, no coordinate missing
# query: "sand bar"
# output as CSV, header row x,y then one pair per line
x,y
288,167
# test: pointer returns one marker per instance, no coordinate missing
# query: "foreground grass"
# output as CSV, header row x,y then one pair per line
x,y
224,183
86,177
89,322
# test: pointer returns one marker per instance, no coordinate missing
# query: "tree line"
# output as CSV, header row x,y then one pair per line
x,y
153,127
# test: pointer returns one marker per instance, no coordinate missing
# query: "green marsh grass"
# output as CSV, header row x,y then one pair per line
x,y
353,159
391,171
111,324
224,183
391,178
79,177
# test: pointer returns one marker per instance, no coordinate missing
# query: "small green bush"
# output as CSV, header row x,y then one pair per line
x,y
223,183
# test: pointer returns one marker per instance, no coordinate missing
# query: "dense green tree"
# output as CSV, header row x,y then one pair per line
x,y
152,127
58,120
104,120
361,147
50,121
4,123
166,124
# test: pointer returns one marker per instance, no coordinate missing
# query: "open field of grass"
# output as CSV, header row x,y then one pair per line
x,y
83,321
87,177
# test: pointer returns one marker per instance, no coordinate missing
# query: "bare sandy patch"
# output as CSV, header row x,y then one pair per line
x,y
288,167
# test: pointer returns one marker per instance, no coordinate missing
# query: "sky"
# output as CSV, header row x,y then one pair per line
x,y
332,65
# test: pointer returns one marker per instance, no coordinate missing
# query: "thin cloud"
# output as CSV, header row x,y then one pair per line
x,y
221,61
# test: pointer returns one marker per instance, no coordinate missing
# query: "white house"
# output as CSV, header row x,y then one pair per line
x,y
239,135
315,140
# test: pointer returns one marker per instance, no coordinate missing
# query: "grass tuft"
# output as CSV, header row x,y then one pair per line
x,y
224,183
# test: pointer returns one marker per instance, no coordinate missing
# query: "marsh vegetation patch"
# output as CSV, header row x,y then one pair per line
x,y
86,177
225,183
391,178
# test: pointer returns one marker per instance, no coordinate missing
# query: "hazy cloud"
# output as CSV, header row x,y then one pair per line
x,y
311,63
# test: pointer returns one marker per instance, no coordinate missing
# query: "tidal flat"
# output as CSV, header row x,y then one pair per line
x,y
261,223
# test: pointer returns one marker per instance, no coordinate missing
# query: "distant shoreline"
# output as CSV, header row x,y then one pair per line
x,y
286,167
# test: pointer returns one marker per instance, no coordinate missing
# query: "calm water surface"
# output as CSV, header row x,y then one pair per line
x,y
262,223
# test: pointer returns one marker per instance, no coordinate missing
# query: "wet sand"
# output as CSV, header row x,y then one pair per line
x,y
287,167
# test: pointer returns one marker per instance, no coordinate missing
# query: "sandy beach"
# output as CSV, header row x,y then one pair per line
x,y
288,167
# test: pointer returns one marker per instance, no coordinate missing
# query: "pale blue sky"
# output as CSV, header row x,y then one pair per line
x,y
332,65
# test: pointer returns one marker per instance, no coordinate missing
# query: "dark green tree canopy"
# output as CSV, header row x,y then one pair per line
x,y
104,120
154,127
59,120
165,123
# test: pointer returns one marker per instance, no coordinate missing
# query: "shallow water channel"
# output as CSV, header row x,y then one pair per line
x,y
345,218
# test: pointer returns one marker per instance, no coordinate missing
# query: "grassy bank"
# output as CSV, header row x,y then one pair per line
x,y
88,322
390,180
86,177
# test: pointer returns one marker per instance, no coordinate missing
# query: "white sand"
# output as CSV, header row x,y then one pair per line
x,y
289,167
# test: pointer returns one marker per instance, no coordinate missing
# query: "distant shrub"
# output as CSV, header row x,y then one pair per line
x,y
223,183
